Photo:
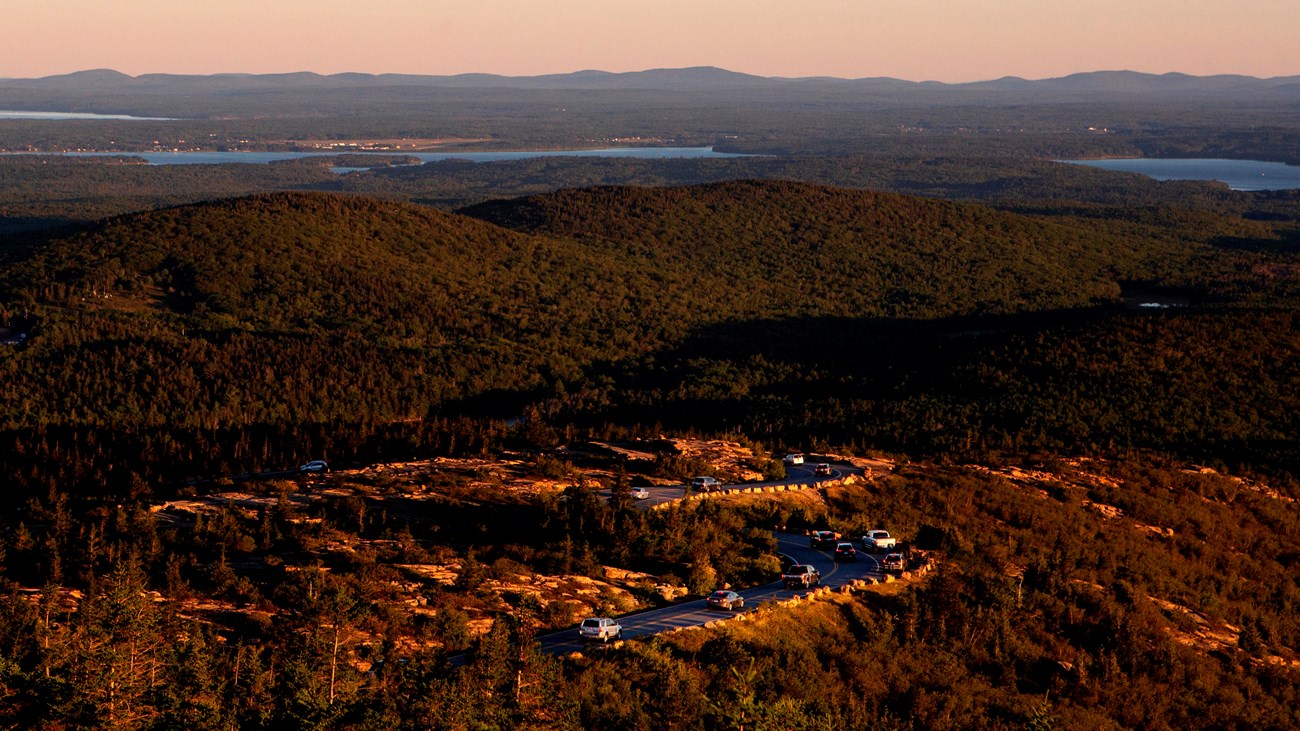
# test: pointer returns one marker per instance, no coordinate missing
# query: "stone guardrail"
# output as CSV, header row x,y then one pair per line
x,y
813,595
770,489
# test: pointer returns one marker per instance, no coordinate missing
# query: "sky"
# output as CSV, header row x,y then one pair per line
x,y
917,40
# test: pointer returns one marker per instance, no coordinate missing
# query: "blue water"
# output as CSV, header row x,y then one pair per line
x,y
1238,174
7,114
214,158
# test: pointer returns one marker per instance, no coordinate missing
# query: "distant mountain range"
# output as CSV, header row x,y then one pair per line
x,y
696,78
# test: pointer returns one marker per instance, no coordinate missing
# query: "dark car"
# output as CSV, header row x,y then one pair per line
x,y
723,599
822,539
845,552
822,470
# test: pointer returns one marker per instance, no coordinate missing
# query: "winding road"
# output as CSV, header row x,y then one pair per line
x,y
689,614
795,475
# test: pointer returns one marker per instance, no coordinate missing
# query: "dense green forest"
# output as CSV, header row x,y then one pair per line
x,y
266,313
164,352
777,307
1043,614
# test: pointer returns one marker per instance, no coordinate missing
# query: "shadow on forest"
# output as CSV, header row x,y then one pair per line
x,y
794,359
1287,242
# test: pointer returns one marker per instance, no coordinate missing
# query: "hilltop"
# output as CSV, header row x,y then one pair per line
x,y
309,323
780,248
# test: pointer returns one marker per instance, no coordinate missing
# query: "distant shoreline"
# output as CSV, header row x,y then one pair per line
x,y
212,157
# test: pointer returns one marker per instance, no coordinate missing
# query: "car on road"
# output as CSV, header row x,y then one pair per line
x,y
316,465
801,576
822,470
845,552
640,493
603,629
723,599
823,539
878,540
893,562
793,458
705,483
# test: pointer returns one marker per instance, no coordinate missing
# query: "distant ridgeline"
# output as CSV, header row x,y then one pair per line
x,y
219,337
1083,115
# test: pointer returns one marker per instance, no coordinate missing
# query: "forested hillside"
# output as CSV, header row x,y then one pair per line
x,y
848,253
266,316
152,358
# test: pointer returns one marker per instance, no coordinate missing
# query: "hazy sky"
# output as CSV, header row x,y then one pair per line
x,y
947,40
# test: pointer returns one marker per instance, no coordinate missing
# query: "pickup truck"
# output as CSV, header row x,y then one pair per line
x,y
801,576
878,540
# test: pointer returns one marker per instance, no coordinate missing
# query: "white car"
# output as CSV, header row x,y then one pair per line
x,y
600,628
640,493
316,465
794,458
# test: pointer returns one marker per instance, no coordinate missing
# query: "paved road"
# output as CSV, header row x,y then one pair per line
x,y
801,475
690,614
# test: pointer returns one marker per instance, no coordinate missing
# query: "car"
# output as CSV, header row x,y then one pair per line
x,y
723,599
822,469
821,539
892,562
640,493
316,465
793,458
603,629
705,483
845,552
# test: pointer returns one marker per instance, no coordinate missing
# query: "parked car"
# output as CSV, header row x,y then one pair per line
x,y
600,628
822,469
794,458
705,483
801,576
878,540
723,599
893,562
823,539
640,493
845,552
316,465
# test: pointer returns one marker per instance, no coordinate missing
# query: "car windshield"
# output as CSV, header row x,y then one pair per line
x,y
719,595
591,623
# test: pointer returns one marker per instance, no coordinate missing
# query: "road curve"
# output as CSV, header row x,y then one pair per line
x,y
795,475
695,613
